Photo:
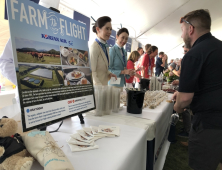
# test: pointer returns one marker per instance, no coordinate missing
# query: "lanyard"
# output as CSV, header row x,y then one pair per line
x,y
123,57
149,60
104,50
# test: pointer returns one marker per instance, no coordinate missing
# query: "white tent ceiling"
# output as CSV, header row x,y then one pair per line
x,y
154,22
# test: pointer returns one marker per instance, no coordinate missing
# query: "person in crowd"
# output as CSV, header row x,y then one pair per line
x,y
200,87
147,46
134,56
166,62
146,63
171,61
172,67
160,63
141,52
185,49
118,58
99,52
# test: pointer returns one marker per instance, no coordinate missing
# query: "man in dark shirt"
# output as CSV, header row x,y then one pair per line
x,y
201,87
160,63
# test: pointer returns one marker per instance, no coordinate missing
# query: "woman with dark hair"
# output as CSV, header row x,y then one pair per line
x,y
99,52
134,56
118,58
146,63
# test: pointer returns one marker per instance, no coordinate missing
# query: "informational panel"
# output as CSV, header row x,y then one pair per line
x,y
51,62
112,40
128,45
83,19
6,15
140,45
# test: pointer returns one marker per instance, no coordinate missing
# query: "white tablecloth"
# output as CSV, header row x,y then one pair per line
x,y
157,120
126,152
160,127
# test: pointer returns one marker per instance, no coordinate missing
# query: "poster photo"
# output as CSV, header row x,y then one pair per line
x,y
40,76
29,51
52,64
77,76
74,57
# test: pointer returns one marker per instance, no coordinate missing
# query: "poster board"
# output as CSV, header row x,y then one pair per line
x,y
128,45
112,39
83,19
52,64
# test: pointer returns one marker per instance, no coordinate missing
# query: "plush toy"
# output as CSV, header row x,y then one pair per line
x,y
13,154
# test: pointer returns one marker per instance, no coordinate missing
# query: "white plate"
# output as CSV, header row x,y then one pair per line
x,y
79,82
64,51
71,78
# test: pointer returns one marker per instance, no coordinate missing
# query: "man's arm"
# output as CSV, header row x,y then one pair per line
x,y
182,101
143,65
177,73
7,67
163,65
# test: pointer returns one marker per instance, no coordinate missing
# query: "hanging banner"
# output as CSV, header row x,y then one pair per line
x,y
128,45
51,62
112,40
6,15
83,19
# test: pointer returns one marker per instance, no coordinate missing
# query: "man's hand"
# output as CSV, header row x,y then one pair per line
x,y
165,71
171,74
174,97
113,75
175,82
139,69
170,68
128,71
177,109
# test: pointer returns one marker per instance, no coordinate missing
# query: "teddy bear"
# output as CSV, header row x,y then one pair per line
x,y
13,154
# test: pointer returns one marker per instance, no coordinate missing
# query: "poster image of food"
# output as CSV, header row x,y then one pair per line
x,y
77,76
29,51
52,65
74,57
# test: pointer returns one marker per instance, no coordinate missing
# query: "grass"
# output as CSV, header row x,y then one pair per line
x,y
27,58
177,157
23,68
47,82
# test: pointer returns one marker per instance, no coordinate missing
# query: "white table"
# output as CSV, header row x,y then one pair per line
x,y
126,152
6,97
161,116
158,120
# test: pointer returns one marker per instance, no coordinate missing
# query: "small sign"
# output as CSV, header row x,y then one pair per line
x,y
113,80
112,39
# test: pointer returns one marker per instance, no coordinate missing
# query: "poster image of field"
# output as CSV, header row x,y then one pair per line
x,y
40,76
30,51
74,57
77,76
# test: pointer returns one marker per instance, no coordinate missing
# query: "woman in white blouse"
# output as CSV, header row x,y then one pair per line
x,y
99,52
